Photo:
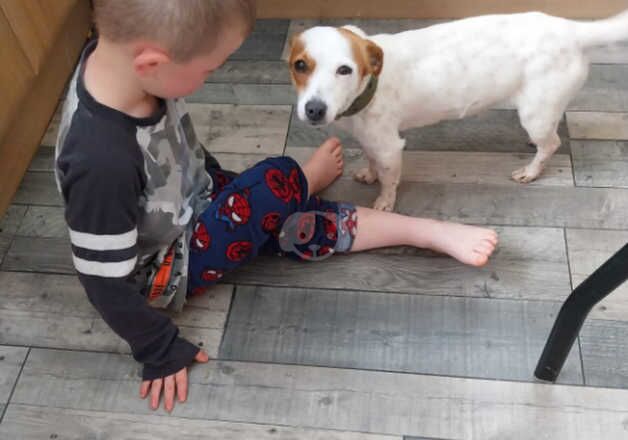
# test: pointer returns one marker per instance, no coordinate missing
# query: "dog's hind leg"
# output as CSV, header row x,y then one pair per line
x,y
541,122
546,146
541,106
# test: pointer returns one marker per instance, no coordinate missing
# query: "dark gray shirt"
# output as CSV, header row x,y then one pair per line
x,y
133,188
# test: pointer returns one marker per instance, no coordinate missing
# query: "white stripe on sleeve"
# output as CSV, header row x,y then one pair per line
x,y
106,270
104,242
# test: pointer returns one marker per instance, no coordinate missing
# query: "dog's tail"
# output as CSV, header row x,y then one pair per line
x,y
603,32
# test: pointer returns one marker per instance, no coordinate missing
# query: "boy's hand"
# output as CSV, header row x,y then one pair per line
x,y
175,382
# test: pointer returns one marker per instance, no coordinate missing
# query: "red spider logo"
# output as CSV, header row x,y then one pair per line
x,y
283,187
200,238
220,181
236,211
270,222
212,275
239,250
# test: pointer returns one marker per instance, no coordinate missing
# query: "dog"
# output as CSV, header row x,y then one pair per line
x,y
376,86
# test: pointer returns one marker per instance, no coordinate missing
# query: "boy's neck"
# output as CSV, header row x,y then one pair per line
x,y
110,79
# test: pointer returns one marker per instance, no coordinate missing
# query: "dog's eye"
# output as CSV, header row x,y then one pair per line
x,y
344,70
300,66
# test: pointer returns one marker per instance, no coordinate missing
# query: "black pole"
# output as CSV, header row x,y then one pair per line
x,y
574,311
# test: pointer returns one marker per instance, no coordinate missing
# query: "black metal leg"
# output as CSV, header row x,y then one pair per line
x,y
574,311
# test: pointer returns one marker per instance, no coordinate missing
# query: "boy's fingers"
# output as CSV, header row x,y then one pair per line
x,y
155,392
181,379
144,389
169,392
201,356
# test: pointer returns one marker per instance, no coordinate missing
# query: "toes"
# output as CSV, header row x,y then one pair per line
x,y
484,248
479,259
490,240
523,175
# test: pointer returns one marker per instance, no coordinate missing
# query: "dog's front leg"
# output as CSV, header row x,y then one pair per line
x,y
386,159
367,174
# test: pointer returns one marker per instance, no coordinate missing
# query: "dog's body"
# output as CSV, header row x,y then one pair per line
x,y
448,71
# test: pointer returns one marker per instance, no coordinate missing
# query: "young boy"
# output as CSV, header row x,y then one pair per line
x,y
153,218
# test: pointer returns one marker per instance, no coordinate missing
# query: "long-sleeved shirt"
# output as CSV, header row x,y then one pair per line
x,y
132,189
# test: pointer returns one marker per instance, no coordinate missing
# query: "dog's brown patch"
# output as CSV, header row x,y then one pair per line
x,y
298,53
368,56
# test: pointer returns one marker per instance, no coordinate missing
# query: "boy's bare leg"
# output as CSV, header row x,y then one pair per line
x,y
469,244
324,166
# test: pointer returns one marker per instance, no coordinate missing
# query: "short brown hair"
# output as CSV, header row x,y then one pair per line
x,y
184,27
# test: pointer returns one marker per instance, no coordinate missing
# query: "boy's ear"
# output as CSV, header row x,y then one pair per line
x,y
148,58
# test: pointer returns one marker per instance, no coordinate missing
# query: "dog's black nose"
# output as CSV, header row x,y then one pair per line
x,y
315,110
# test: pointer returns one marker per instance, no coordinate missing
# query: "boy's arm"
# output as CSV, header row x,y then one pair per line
x,y
102,213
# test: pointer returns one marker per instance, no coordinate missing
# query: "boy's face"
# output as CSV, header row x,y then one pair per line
x,y
165,78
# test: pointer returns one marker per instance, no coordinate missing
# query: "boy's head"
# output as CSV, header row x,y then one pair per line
x,y
175,44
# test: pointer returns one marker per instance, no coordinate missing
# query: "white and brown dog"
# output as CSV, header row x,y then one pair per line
x,y
375,86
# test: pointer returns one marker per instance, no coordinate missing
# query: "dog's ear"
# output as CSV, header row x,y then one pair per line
x,y
294,43
356,30
375,56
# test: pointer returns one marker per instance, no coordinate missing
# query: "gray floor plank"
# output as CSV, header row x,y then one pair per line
x,y
494,131
53,311
268,83
530,263
25,254
43,159
244,94
265,43
38,188
606,89
612,54
50,136
588,250
238,162
31,422
600,163
522,205
339,399
11,360
44,221
604,353
598,125
251,72
241,129
469,337
10,222
457,166
5,242
423,438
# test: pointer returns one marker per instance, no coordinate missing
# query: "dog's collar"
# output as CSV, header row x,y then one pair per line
x,y
363,100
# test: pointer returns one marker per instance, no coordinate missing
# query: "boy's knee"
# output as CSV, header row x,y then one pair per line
x,y
283,163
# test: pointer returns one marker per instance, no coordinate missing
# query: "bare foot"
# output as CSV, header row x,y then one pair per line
x,y
324,166
468,244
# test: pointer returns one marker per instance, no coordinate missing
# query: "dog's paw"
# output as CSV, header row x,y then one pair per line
x,y
384,204
524,175
365,175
